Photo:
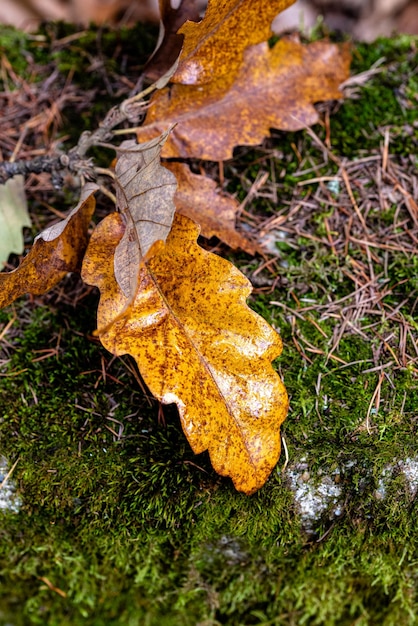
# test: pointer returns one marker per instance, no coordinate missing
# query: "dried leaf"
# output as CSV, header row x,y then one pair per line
x,y
169,42
55,252
145,196
13,217
199,345
276,88
199,198
215,45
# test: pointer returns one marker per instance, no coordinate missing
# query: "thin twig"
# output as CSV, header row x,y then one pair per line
x,y
9,473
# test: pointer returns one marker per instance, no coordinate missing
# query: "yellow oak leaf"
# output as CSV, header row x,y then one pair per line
x,y
275,88
198,345
215,45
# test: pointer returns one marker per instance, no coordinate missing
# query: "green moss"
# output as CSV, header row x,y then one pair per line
x,y
388,100
14,44
138,530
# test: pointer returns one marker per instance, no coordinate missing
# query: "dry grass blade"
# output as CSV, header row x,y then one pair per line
x,y
371,214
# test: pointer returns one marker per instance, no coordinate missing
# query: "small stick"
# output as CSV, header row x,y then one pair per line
x,y
375,400
286,454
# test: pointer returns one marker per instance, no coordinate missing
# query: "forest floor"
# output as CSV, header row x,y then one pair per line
x,y
106,515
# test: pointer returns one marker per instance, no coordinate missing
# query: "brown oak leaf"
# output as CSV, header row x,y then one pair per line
x,y
56,251
169,41
275,88
145,197
199,198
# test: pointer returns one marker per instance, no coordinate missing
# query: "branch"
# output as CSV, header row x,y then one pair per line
x,y
9,169
75,159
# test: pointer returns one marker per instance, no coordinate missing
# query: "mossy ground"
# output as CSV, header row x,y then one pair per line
x,y
119,523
